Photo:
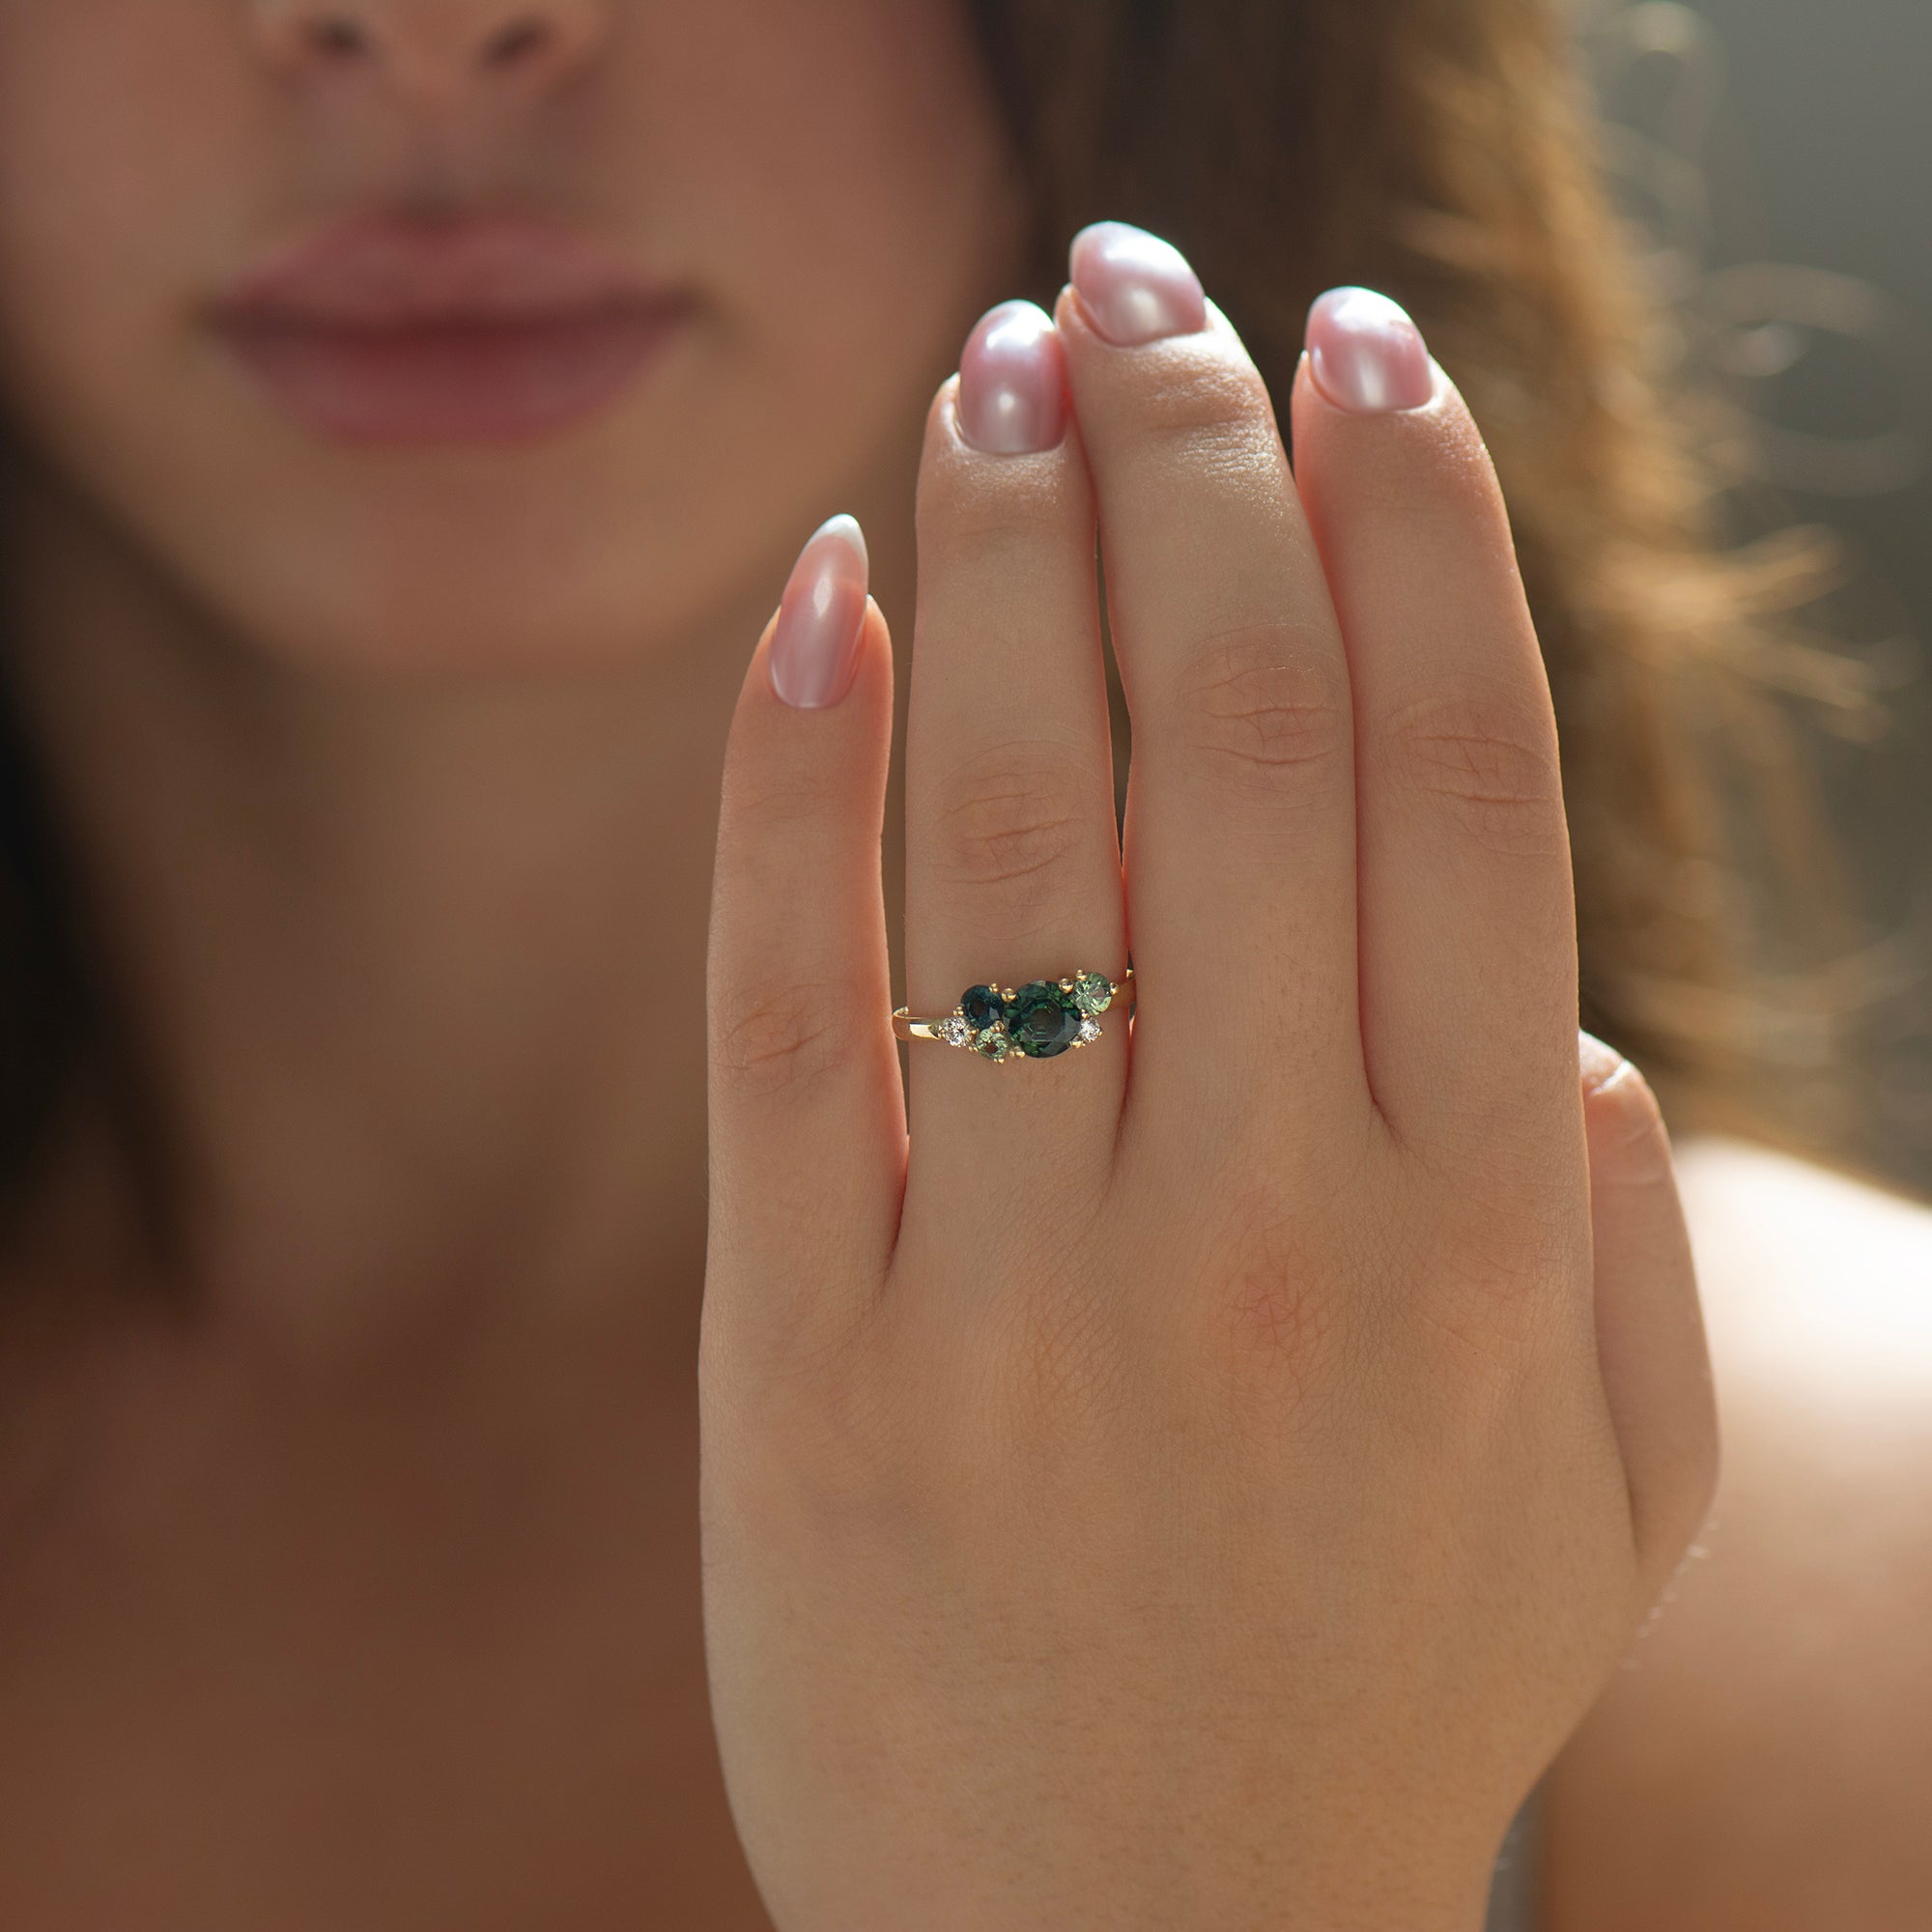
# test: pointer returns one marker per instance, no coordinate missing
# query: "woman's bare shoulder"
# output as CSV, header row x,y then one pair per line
x,y
1763,1757
1778,1230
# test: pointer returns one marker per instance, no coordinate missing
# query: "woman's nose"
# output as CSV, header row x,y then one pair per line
x,y
434,50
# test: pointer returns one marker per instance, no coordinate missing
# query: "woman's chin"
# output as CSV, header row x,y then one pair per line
x,y
434,625
429,637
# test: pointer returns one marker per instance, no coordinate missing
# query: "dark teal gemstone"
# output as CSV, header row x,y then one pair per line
x,y
982,1005
1044,1019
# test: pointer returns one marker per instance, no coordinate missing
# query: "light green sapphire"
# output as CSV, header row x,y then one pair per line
x,y
1091,993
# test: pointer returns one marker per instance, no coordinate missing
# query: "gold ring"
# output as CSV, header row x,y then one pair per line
x,y
1031,1022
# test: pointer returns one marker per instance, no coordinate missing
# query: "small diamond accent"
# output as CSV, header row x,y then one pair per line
x,y
955,1030
1089,1029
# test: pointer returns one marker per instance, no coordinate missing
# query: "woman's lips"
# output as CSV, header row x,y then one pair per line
x,y
448,382
488,328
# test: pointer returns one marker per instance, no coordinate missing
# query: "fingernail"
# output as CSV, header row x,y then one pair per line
x,y
1365,354
816,649
1599,1064
1136,287
1012,394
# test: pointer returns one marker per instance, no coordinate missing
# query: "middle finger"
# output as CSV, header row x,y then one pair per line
x,y
1240,820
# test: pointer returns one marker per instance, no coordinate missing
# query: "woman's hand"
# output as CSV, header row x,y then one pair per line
x,y
1200,1479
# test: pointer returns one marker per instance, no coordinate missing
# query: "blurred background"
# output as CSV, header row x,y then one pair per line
x,y
1777,154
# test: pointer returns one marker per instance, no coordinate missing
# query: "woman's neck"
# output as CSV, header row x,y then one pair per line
x,y
411,977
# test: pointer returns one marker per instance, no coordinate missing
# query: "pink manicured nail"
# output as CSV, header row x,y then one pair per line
x,y
1012,376
1365,354
1136,287
815,647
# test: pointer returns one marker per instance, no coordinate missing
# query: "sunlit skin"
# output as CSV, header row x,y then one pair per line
x,y
348,1417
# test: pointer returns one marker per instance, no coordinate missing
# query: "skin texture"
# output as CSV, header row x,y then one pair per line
x,y
348,1438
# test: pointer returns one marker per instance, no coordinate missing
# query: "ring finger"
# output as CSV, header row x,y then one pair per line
x,y
1013,856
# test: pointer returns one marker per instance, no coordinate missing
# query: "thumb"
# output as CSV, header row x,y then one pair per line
x,y
807,1118
1650,1329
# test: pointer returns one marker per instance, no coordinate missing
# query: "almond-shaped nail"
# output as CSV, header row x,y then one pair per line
x,y
814,649
1366,356
1012,382
1135,287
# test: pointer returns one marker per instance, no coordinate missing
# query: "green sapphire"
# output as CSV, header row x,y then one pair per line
x,y
1092,993
993,1044
983,1006
1044,1019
